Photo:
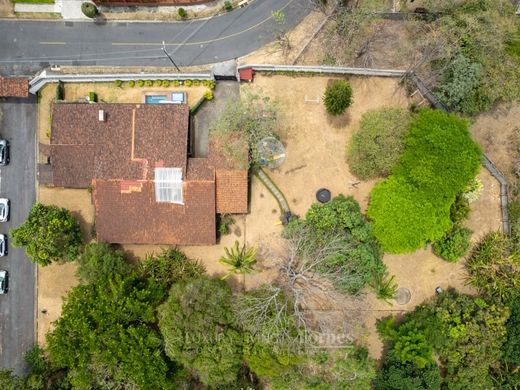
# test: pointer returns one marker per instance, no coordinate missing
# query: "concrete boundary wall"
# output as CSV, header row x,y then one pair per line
x,y
46,77
425,91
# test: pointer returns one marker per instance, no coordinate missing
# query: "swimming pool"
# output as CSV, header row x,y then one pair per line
x,y
154,99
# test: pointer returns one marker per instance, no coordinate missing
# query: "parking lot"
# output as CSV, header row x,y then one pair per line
x,y
17,182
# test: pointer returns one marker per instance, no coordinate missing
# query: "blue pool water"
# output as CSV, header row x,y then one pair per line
x,y
154,99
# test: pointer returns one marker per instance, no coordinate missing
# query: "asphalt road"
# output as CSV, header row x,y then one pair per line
x,y
17,183
27,46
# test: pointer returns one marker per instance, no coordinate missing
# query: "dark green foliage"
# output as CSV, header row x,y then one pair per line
x,y
224,222
182,13
92,97
465,333
470,333
35,359
118,83
494,267
511,348
99,260
454,245
354,257
49,234
345,368
338,96
200,331
171,266
377,146
412,207
458,87
8,381
106,337
228,6
140,83
459,210
384,286
148,83
89,10
440,155
60,91
514,219
396,375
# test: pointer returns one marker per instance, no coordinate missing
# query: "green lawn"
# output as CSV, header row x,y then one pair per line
x,y
34,1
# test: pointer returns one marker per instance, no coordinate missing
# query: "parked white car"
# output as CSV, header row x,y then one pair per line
x,y
4,209
4,276
3,245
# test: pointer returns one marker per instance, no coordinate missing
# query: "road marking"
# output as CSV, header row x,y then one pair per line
x,y
202,42
53,43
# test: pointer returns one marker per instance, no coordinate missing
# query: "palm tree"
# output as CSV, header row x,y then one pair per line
x,y
240,260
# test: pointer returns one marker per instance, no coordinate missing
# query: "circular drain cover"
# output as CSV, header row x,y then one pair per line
x,y
323,195
403,296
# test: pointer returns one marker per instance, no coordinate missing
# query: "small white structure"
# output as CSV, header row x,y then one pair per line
x,y
168,185
101,115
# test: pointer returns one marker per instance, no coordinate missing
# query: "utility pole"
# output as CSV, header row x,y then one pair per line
x,y
170,57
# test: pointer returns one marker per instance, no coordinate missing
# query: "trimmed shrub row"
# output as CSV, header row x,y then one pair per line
x,y
166,83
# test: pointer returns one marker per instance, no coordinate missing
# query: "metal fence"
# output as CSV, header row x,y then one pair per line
x,y
46,77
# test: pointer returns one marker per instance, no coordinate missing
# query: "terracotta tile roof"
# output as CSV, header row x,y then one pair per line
x,y
14,87
135,217
231,190
118,156
131,141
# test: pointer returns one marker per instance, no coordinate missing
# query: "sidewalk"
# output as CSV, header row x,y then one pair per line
x,y
69,9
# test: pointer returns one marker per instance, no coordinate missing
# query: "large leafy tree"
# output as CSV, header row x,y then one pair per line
x,y
377,146
337,241
106,335
49,234
511,347
412,207
99,260
200,330
467,333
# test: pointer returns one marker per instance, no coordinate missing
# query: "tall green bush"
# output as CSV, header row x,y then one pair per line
x,y
412,207
338,97
378,144
49,234
89,10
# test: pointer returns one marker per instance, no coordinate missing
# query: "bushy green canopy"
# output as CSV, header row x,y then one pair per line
x,y
412,207
49,234
200,331
100,259
106,337
377,146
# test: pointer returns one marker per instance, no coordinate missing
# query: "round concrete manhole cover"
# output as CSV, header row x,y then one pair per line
x,y
403,296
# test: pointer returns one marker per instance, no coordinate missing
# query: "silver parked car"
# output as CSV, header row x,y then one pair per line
x,y
4,152
3,245
4,276
4,209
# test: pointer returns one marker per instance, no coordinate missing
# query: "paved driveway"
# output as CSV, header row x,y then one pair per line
x,y
17,182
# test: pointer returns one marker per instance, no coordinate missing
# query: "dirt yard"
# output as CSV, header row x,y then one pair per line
x,y
55,280
315,146
107,93
494,130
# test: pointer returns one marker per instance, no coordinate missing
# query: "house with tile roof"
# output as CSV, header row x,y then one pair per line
x,y
146,187
14,87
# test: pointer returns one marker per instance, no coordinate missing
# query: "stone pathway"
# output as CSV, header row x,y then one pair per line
x,y
273,189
